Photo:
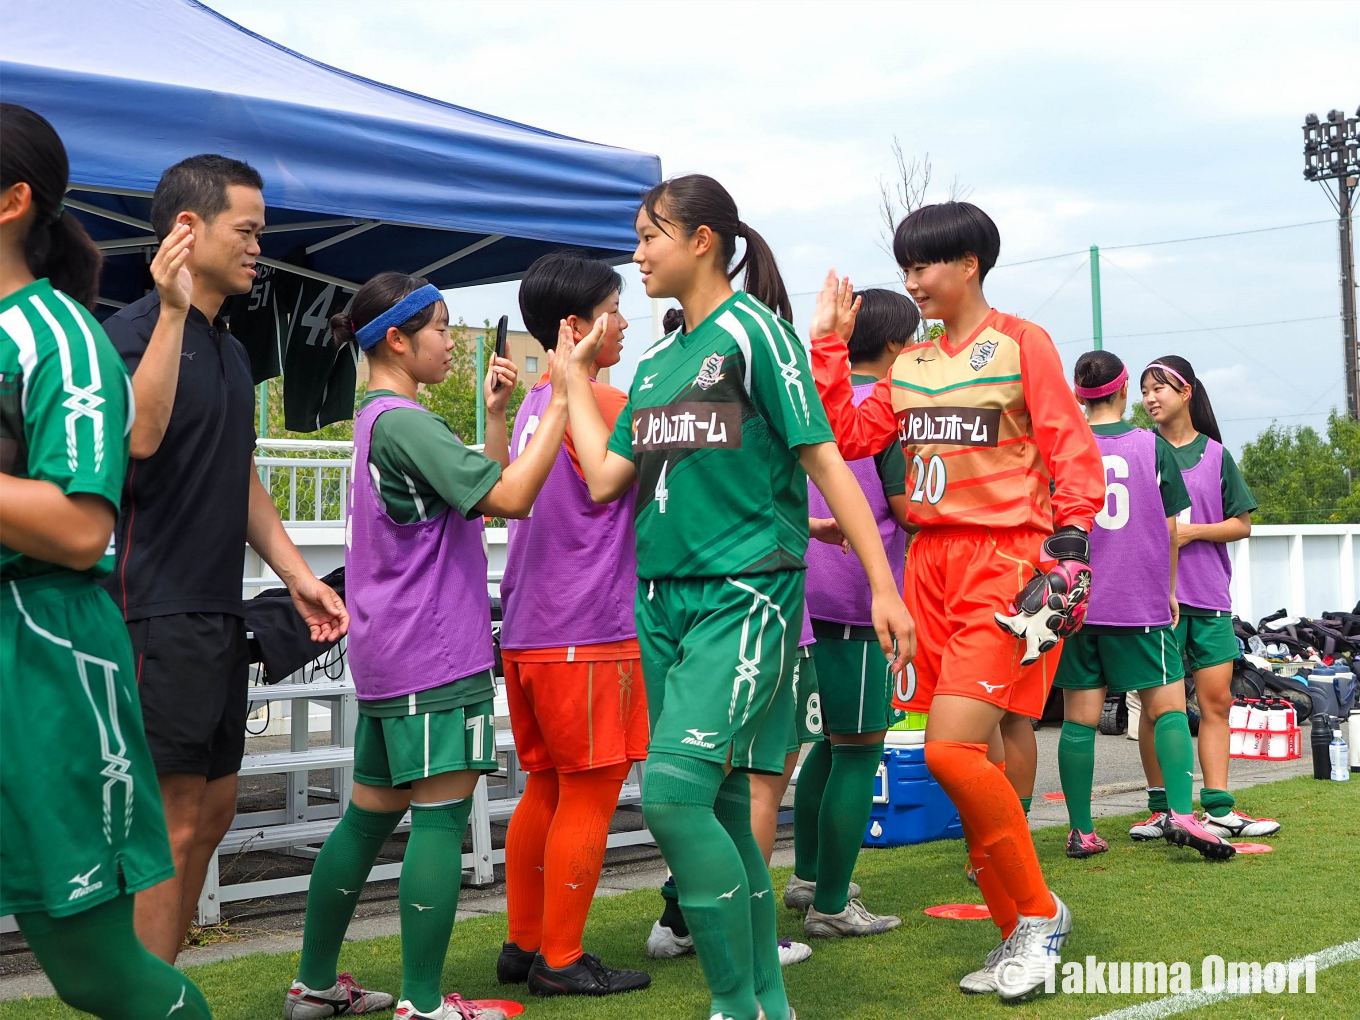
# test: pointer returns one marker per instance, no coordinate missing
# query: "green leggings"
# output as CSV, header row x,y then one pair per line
x,y
98,965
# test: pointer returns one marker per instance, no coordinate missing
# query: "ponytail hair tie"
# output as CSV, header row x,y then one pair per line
x,y
742,229
56,216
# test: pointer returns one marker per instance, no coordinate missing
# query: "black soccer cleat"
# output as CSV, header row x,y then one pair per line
x,y
587,976
514,964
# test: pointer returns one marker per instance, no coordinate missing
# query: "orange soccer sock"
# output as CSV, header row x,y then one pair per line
x,y
999,902
525,842
575,852
995,821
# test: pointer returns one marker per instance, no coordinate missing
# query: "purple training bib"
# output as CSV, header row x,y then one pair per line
x,y
1204,572
416,593
571,567
837,586
1130,545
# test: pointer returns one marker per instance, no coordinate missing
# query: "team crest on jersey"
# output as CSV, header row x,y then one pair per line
x,y
982,355
711,371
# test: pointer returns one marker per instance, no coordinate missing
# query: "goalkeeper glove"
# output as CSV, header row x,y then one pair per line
x,y
1052,605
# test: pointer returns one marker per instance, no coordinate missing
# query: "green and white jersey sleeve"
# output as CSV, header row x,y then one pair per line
x,y
66,407
422,468
713,423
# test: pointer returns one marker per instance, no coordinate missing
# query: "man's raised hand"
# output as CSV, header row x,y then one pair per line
x,y
172,278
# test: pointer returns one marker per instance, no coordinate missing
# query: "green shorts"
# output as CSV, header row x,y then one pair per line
x,y
1119,659
451,728
807,702
718,656
1207,640
80,809
854,679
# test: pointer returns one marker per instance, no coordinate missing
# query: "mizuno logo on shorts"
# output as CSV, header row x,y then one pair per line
x,y
990,687
700,739
83,885
688,425
955,426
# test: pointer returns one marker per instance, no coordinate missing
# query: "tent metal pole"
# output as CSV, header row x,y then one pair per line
x,y
104,189
476,246
345,236
107,214
311,274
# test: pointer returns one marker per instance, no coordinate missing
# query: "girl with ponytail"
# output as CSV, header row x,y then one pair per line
x,y
721,432
67,675
1128,643
1219,513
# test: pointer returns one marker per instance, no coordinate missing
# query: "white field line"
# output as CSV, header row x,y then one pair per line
x,y
1173,1004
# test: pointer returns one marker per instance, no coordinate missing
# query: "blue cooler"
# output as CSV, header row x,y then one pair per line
x,y
909,806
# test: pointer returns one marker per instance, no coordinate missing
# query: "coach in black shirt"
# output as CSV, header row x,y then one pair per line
x,y
191,502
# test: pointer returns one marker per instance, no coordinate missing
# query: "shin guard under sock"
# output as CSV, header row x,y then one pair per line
x,y
845,812
1076,771
807,808
526,842
988,801
338,876
1176,756
431,874
98,965
575,851
733,811
678,798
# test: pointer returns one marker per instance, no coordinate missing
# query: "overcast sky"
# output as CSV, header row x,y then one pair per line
x,y
1071,125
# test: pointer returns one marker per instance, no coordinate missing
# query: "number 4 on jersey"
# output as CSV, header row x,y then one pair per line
x,y
662,493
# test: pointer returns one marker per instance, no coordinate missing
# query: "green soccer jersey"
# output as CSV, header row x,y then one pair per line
x,y
66,407
713,420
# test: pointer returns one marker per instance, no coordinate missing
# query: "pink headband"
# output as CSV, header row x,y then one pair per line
x,y
1097,392
1166,368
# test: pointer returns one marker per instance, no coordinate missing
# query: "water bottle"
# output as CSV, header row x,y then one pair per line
x,y
1321,742
1256,646
1254,740
1237,722
1340,758
1277,716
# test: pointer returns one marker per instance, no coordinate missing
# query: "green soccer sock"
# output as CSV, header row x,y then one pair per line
x,y
1025,802
1157,799
679,794
98,965
1176,756
1216,802
338,876
431,875
733,811
1076,771
807,808
845,812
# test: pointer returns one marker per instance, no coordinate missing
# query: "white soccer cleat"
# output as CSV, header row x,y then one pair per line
x,y
979,982
664,944
854,920
1154,828
1236,825
791,952
454,1007
1035,948
344,998
799,893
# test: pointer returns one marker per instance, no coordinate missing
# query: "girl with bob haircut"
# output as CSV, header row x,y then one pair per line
x,y
1219,513
722,430
71,724
1128,642
419,642
988,423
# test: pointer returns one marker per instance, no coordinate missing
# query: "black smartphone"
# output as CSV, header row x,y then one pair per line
x,y
502,329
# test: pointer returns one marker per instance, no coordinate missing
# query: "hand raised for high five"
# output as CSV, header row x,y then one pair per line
x,y
173,280
560,359
837,308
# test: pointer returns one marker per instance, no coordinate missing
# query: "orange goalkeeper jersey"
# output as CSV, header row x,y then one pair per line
x,y
986,424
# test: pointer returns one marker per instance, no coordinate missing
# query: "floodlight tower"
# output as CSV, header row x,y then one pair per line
x,y
1331,152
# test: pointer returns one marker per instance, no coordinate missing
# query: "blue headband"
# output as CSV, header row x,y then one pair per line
x,y
404,309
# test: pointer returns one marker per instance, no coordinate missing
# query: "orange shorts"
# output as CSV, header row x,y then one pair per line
x,y
957,577
581,713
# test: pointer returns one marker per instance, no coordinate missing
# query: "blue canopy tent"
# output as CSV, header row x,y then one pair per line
x,y
359,176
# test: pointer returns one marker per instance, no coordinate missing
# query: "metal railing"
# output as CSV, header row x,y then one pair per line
x,y
309,479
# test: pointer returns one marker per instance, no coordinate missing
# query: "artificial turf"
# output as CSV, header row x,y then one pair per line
x,y
1137,902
